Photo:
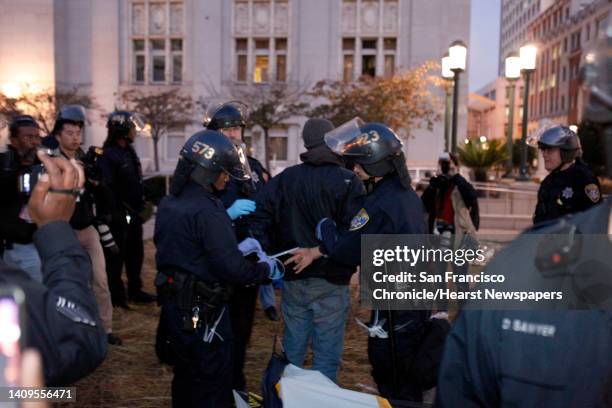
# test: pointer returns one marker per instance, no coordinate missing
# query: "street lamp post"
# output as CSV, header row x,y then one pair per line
x,y
448,75
528,61
457,53
513,72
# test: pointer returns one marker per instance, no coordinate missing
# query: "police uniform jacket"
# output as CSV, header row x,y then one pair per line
x,y
62,316
540,358
568,191
388,209
122,175
194,234
293,202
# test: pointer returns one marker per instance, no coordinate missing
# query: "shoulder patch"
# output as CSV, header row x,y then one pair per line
x,y
73,312
359,220
592,191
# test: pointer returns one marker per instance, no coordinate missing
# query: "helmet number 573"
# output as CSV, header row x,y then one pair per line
x,y
203,150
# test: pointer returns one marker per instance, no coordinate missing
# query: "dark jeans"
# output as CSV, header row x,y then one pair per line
x,y
128,238
242,314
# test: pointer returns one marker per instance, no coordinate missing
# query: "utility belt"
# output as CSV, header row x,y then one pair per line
x,y
186,291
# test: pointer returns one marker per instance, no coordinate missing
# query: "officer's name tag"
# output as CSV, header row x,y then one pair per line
x,y
521,326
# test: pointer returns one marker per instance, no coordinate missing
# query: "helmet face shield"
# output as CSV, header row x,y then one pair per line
x,y
226,114
346,139
238,166
556,136
138,121
72,113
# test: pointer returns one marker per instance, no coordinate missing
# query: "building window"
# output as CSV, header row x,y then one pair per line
x,y
261,40
241,61
369,44
348,58
277,148
156,31
588,32
600,26
175,138
389,47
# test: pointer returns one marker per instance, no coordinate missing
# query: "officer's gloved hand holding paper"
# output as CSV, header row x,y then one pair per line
x,y
249,246
241,207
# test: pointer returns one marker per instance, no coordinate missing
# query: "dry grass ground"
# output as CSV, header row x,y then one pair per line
x,y
132,377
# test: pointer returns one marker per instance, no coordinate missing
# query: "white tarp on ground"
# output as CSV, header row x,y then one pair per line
x,y
240,403
301,388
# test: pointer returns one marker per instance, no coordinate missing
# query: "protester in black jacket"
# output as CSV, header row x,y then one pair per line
x,y
62,320
289,208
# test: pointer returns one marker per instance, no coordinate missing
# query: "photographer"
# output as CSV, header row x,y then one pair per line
x,y
62,320
452,205
16,228
67,132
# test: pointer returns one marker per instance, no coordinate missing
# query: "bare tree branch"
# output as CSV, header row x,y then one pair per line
x,y
44,105
163,110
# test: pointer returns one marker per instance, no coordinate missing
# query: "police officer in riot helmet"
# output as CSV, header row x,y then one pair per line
x,y
122,175
570,185
238,197
496,358
198,258
391,207
228,118
71,114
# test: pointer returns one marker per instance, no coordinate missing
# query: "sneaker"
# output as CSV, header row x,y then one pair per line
x,y
272,314
113,339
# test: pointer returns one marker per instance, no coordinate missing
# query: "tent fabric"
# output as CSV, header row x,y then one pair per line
x,y
301,388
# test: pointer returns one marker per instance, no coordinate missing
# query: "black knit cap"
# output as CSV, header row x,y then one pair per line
x,y
314,130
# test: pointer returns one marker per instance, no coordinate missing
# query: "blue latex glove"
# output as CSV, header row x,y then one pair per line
x,y
275,272
249,246
240,207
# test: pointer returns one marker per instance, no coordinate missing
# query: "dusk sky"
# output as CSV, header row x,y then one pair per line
x,y
483,49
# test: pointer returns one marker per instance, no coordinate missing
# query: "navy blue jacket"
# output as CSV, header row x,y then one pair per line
x,y
62,314
292,203
194,233
492,360
122,175
566,192
388,209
